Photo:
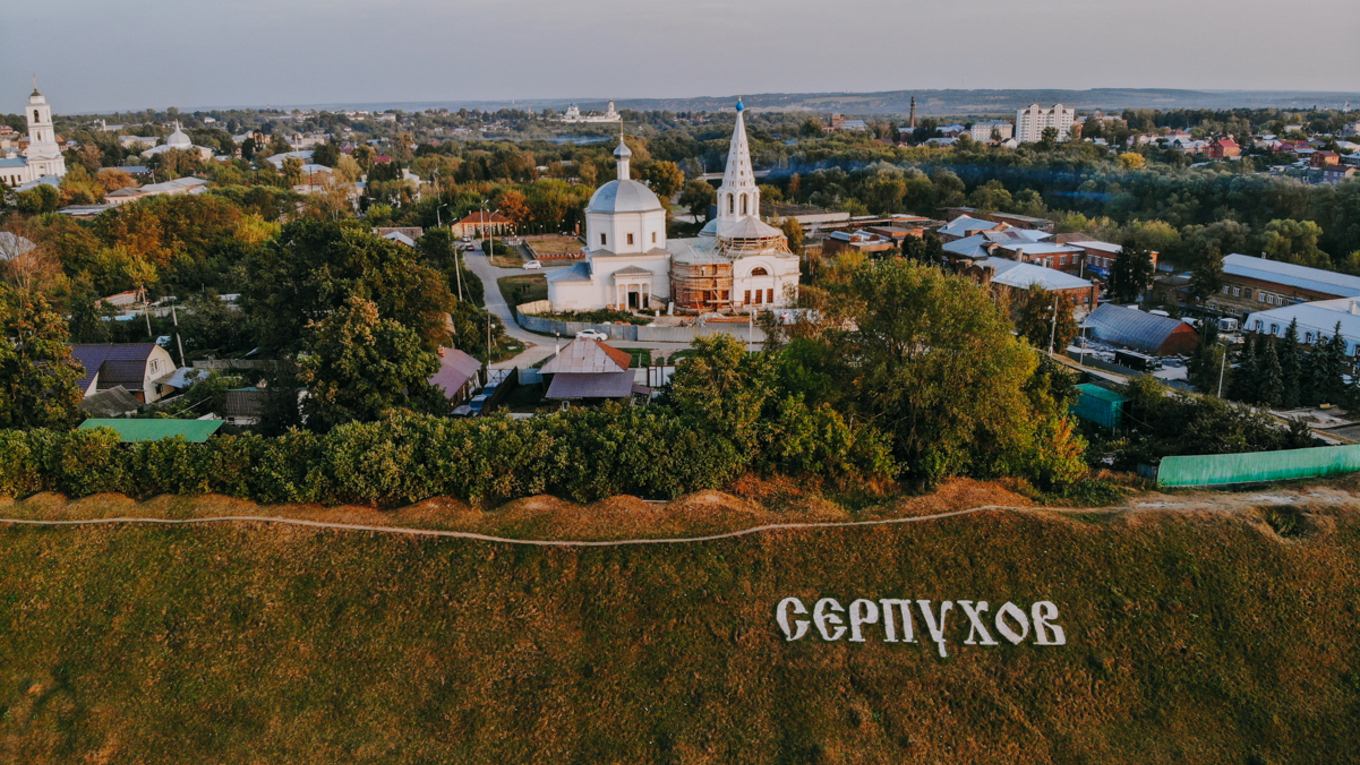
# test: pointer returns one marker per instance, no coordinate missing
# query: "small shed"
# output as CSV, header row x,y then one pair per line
x,y
1100,405
131,431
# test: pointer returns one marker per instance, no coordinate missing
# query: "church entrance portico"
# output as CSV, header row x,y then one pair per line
x,y
633,289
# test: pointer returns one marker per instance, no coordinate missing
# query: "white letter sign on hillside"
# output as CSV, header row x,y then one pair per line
x,y
893,620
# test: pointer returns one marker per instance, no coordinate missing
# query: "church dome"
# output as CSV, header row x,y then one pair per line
x,y
179,139
624,197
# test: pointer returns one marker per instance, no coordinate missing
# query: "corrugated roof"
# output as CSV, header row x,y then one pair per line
x,y
1024,275
1131,327
130,431
109,403
244,402
573,385
964,225
93,356
583,356
1303,277
577,272
1104,394
1319,317
455,369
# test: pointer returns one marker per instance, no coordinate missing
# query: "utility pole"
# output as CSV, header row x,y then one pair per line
x,y
179,342
1053,330
1222,366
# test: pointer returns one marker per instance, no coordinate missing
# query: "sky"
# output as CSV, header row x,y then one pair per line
x,y
101,55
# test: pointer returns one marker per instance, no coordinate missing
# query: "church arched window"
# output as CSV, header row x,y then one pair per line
x,y
731,205
743,204
759,272
35,116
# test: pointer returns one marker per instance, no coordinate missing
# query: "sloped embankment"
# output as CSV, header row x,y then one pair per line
x,y
1190,637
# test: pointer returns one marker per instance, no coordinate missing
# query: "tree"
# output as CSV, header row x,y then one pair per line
x,y
722,388
1048,139
1131,272
38,200
39,383
513,205
326,154
1206,277
292,171
1132,160
1037,323
665,179
1208,363
793,231
697,196
1295,241
1271,378
359,366
1291,366
313,266
921,337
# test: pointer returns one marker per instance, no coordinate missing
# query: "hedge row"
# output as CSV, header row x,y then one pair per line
x,y
581,454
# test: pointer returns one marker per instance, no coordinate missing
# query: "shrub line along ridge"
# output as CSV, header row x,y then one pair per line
x,y
507,540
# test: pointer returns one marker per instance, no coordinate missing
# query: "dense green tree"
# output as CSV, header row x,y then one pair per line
x,y
1295,241
665,179
1208,368
39,383
723,388
359,366
1131,272
1271,377
921,338
793,231
1045,319
1206,277
1291,367
697,196
312,267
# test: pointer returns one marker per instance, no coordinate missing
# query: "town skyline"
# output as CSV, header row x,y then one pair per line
x,y
303,53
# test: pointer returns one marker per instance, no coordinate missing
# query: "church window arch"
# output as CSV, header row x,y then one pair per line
x,y
743,204
731,205
759,271
35,116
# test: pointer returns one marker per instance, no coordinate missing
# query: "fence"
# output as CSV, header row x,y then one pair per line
x,y
1257,467
630,332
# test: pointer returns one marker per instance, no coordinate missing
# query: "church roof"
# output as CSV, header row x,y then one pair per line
x,y
748,227
633,271
624,197
577,272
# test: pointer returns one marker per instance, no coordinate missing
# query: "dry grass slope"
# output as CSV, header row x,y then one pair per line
x,y
1213,637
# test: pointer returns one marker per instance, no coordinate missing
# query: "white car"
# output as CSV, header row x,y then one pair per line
x,y
532,265
591,334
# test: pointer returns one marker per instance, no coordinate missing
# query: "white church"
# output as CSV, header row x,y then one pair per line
x,y
738,262
42,159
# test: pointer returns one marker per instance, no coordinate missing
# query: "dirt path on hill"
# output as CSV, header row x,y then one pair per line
x,y
752,508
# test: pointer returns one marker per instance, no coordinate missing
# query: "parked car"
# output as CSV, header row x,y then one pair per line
x,y
591,334
532,265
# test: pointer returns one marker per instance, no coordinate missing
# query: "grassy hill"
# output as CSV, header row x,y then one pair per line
x,y
1225,637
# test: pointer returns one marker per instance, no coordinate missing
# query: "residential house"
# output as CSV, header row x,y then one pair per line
x,y
1336,173
984,245
1222,148
481,224
589,372
141,368
1011,219
178,186
1031,122
1324,159
457,375
857,241
1100,256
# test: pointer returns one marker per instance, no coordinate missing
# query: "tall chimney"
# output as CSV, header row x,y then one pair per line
x,y
913,112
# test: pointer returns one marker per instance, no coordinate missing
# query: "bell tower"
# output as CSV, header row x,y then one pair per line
x,y
738,196
43,153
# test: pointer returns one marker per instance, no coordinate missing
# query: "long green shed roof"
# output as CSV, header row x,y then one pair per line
x,y
1105,394
129,431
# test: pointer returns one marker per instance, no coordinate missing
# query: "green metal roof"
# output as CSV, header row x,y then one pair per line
x,y
1105,394
129,431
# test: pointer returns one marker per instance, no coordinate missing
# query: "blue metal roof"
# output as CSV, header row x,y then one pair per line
x,y
1131,327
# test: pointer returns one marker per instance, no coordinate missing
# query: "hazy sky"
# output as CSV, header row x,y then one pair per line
x,y
131,54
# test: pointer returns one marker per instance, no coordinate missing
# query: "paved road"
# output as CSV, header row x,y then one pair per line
x,y
538,347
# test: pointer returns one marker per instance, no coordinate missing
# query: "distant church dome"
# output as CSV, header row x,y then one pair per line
x,y
624,197
179,139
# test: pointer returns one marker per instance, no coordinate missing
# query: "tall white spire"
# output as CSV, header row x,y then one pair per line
x,y
42,138
738,196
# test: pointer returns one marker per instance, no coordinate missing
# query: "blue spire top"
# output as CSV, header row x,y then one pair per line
x,y
740,105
